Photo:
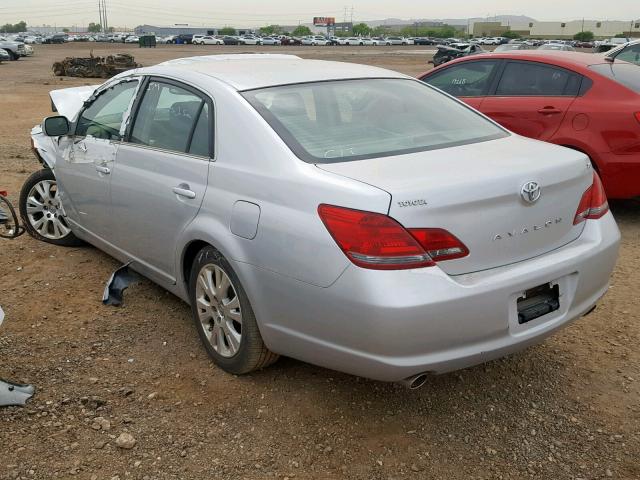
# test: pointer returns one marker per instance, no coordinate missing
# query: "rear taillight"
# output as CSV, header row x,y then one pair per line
x,y
376,241
593,203
439,244
637,115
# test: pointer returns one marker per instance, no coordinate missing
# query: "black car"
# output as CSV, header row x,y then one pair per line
x,y
230,40
57,38
424,41
447,53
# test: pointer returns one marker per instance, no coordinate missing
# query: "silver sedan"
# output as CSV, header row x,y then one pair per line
x,y
341,214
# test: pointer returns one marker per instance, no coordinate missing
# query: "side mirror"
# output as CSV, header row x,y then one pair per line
x,y
55,126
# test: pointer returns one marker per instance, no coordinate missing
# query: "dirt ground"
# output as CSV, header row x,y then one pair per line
x,y
567,409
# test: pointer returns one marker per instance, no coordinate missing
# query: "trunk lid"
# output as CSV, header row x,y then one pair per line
x,y
475,192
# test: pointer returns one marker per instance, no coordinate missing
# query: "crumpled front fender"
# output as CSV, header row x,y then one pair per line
x,y
44,147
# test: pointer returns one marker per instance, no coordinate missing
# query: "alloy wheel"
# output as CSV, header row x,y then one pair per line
x,y
219,310
45,212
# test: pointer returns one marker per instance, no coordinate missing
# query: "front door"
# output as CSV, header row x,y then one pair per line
x,y
88,158
161,175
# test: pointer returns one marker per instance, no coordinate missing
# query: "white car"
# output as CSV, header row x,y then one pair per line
x,y
28,50
396,41
378,41
316,40
416,236
250,40
271,41
207,40
357,41
132,39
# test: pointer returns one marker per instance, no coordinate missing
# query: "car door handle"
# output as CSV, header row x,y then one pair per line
x,y
549,111
103,169
184,192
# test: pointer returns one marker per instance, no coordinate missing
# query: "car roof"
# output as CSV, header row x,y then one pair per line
x,y
251,71
555,57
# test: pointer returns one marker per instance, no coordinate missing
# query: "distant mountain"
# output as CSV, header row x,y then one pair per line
x,y
504,19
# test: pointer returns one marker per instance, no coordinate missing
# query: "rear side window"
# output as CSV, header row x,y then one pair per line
x,y
467,79
200,140
630,54
624,73
166,117
536,79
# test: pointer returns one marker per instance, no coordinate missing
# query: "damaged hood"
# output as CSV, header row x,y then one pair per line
x,y
69,101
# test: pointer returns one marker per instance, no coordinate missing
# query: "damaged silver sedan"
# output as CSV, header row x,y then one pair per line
x,y
345,215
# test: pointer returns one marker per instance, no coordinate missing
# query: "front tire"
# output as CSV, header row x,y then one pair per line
x,y
41,210
223,316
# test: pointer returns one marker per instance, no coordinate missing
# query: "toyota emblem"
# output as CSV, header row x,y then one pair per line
x,y
530,192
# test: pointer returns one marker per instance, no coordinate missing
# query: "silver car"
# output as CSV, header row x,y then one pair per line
x,y
341,214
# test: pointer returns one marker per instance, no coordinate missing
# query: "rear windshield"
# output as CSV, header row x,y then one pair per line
x,y
337,121
627,74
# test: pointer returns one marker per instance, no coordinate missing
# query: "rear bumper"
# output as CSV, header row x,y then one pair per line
x,y
620,174
389,325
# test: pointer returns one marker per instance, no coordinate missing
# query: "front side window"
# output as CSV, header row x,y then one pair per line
x,y
468,79
104,117
338,121
166,117
535,79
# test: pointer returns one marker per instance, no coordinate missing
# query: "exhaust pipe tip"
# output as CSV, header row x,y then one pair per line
x,y
416,381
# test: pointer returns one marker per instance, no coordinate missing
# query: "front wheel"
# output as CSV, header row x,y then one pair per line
x,y
42,212
223,315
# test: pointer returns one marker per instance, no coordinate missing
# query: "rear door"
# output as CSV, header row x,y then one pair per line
x,y
532,98
161,174
469,81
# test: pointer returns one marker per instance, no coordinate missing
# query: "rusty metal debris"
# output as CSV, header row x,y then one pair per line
x,y
117,284
13,393
95,67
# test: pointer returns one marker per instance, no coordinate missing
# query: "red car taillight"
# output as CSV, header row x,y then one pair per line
x,y
376,241
637,115
593,203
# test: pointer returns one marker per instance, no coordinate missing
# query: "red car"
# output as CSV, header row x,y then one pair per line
x,y
578,100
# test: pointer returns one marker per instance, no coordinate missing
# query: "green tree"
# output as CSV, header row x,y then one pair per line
x,y
378,31
510,34
621,35
271,30
585,36
65,30
227,31
301,31
361,29
94,27
14,28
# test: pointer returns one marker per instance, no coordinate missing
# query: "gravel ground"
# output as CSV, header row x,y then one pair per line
x,y
129,393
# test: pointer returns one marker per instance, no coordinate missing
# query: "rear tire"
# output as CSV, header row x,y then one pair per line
x,y
41,211
223,316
